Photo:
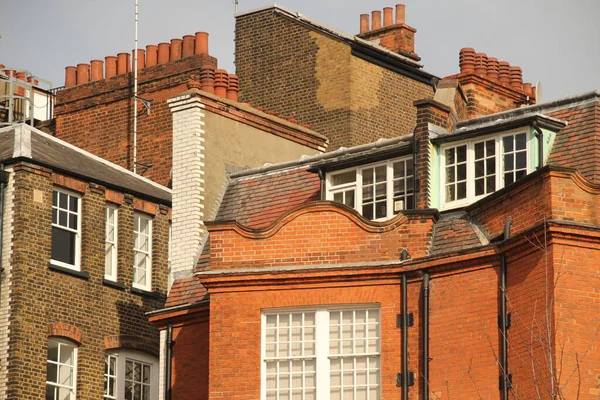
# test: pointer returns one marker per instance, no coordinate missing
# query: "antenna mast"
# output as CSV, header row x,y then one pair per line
x,y
237,3
135,90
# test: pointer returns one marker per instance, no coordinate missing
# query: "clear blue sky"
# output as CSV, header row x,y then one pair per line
x,y
554,41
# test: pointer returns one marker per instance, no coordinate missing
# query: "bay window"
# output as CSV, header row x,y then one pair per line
x,y
130,375
377,191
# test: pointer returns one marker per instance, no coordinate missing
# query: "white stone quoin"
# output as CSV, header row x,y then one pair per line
x,y
188,183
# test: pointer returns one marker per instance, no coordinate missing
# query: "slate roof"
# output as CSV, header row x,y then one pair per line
x,y
23,142
258,201
186,291
454,232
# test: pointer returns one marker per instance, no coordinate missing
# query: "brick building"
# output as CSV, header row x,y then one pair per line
x,y
359,286
84,256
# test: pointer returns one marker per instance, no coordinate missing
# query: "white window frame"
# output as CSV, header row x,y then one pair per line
x,y
137,252
113,243
323,356
122,356
357,185
499,162
77,256
63,343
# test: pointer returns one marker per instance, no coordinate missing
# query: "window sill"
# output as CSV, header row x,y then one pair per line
x,y
145,293
113,284
69,271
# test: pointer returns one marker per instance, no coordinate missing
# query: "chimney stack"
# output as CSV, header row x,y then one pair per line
x,y
395,36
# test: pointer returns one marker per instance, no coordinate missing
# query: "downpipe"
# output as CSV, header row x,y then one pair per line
x,y
425,334
168,361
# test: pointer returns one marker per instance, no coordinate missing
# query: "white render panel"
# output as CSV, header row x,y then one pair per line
x,y
6,282
188,183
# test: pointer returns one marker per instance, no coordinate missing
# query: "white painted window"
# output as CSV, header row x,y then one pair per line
x,y
377,191
110,377
130,375
142,252
473,169
66,229
110,248
61,370
321,354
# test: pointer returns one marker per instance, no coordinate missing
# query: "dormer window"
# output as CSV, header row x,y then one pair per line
x,y
377,191
475,168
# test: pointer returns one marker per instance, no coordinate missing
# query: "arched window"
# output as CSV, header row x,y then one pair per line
x,y
130,374
61,374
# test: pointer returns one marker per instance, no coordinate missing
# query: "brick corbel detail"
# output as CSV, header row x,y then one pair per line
x,y
97,189
128,199
428,112
64,330
130,342
33,168
69,183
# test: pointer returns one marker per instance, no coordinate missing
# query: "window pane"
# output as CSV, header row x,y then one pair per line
x,y
367,175
521,160
479,150
73,203
507,143
338,197
380,173
521,141
344,177
461,153
450,156
63,245
349,201
367,211
52,351
63,200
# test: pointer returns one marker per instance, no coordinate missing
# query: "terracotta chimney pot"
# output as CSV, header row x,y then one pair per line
x,y
233,88
188,46
375,20
97,70
141,59
2,66
163,53
201,46
21,76
175,49
516,78
527,89
388,16
122,63
70,76
364,23
504,68
467,60
83,73
400,14
481,64
221,82
493,71
207,79
151,55
110,66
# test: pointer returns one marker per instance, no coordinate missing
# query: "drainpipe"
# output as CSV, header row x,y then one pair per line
x,y
425,362
540,135
3,184
505,377
404,338
322,178
416,183
404,375
168,361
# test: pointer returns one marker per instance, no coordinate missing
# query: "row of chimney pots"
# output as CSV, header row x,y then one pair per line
x,y
388,18
490,68
122,63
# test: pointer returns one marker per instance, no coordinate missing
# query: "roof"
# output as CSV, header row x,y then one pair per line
x,y
23,142
258,201
186,291
352,39
454,232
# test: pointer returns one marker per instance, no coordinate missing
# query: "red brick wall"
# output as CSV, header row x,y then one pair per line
x,y
98,116
325,234
189,379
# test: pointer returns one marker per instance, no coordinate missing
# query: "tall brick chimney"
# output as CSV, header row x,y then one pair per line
x,y
394,34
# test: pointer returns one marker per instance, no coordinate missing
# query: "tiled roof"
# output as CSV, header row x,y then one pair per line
x,y
454,232
257,201
186,291
203,263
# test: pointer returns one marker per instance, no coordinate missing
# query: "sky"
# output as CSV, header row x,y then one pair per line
x,y
556,42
